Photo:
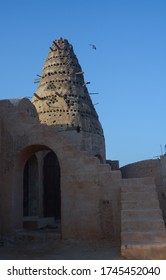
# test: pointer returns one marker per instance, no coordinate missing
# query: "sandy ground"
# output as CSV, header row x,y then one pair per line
x,y
59,250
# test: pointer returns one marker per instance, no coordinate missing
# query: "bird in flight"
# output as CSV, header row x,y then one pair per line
x,y
93,46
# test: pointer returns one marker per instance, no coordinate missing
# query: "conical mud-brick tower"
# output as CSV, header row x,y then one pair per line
x,y
62,100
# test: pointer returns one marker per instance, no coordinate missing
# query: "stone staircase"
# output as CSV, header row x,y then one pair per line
x,y
143,233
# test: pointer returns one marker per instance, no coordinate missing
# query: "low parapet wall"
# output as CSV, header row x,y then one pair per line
x,y
149,168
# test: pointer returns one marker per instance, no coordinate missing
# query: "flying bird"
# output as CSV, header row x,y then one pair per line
x,y
93,46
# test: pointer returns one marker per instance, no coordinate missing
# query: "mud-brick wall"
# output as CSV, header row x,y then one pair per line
x,y
148,168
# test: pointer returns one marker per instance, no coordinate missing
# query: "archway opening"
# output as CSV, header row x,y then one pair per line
x,y
41,190
52,194
30,181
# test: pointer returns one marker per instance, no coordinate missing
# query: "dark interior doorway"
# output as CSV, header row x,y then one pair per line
x,y
30,177
26,190
52,194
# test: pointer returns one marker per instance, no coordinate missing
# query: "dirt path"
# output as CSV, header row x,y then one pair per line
x,y
60,250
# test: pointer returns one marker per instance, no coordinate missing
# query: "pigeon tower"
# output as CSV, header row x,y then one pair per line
x,y
63,102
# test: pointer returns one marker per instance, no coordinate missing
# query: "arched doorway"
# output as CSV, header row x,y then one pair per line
x,y
41,191
52,194
30,188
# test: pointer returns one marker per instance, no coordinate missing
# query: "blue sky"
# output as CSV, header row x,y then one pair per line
x,y
128,68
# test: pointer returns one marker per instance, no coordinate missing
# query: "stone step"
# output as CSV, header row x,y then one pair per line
x,y
35,222
136,196
80,163
138,182
139,188
91,160
146,204
139,236
143,233
141,213
142,224
103,167
144,251
116,175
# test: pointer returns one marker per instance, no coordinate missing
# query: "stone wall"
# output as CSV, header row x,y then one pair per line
x,y
90,204
150,168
